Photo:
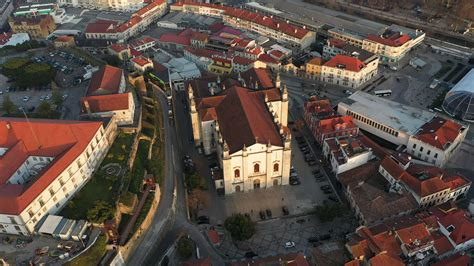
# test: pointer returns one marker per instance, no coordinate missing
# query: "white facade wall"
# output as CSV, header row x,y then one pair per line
x,y
351,162
71,180
374,127
349,79
431,154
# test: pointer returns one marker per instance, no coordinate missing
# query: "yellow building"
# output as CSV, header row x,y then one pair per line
x,y
64,41
220,65
313,68
37,27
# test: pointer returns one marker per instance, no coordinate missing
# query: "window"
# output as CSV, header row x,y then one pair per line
x,y
436,155
236,173
30,213
55,199
41,202
276,167
428,152
12,220
51,191
256,168
421,148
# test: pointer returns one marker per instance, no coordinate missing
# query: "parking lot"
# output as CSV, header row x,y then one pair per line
x,y
69,70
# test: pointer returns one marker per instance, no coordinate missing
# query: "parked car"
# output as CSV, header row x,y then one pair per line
x,y
250,254
327,191
312,163
325,187
26,98
290,244
285,211
295,182
262,215
293,178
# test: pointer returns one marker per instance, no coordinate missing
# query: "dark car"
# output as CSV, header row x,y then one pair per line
x,y
333,198
312,163
316,171
325,187
327,191
250,254
203,220
313,239
262,215
285,211
269,213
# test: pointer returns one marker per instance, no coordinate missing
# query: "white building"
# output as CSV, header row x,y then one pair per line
x,y
43,163
425,136
243,118
346,153
386,119
436,141
120,106
117,5
348,71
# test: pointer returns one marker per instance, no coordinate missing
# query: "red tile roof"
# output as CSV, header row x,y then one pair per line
x,y
337,43
455,260
394,40
143,12
409,235
5,37
352,263
102,26
441,243
384,259
141,61
242,60
274,24
454,182
278,55
176,39
335,124
105,103
345,62
105,81
63,140
129,24
439,132
139,42
315,61
463,227
119,47
267,59
64,39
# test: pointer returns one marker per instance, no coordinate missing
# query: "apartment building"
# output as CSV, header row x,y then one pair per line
x,y
333,127
346,153
116,5
39,27
429,185
141,64
348,71
314,68
43,163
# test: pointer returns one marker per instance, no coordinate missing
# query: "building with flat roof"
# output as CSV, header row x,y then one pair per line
x,y
386,119
459,101
43,163
346,153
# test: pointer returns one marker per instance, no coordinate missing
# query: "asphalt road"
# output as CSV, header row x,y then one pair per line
x,y
170,221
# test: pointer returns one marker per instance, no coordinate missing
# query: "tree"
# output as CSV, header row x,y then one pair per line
x,y
44,109
12,67
327,213
101,212
36,74
185,247
112,60
8,106
196,199
57,98
194,180
240,226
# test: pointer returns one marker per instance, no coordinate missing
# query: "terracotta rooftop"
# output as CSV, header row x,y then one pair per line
x,y
439,132
141,61
105,103
105,81
345,62
143,12
460,227
64,39
139,42
63,140
320,107
335,124
441,243
119,47
102,26
394,39
384,259
318,61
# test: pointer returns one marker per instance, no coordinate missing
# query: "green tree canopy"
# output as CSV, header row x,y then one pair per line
x,y
240,226
13,66
36,74
185,247
57,98
194,180
101,212
44,109
8,106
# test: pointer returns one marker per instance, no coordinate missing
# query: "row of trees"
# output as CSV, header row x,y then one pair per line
x,y
28,74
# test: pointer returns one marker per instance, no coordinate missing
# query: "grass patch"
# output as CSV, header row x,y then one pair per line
x,y
445,67
101,186
139,167
93,255
453,72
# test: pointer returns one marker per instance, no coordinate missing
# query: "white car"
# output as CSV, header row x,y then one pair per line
x,y
48,97
65,96
26,98
290,244
42,98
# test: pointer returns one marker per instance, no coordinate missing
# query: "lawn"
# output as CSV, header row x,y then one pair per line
x,y
101,186
139,166
445,67
93,255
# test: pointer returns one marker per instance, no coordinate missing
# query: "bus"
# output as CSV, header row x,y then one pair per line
x,y
383,93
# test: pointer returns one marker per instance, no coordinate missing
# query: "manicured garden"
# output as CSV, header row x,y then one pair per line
x,y
102,187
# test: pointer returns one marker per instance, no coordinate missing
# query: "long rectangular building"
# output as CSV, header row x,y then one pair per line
x,y
425,136
43,163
